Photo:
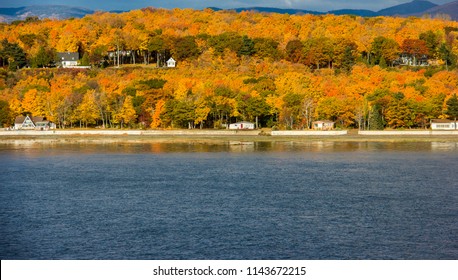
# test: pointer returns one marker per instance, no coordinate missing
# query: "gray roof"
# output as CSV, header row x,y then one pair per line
x,y
21,119
442,121
68,56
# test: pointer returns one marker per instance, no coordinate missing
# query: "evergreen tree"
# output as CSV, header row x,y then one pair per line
x,y
452,107
13,55
5,114
446,55
247,47
348,60
375,118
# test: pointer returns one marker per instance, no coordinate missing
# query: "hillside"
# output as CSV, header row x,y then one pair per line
x,y
43,11
271,10
414,7
282,71
450,9
362,13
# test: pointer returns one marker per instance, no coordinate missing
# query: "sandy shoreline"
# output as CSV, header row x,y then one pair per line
x,y
75,136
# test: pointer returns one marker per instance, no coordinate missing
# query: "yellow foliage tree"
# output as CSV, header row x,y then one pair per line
x,y
156,117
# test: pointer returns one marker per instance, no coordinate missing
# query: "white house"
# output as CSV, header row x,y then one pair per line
x,y
441,124
323,125
37,123
171,63
68,59
241,125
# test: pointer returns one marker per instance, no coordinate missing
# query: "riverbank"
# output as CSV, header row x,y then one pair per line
x,y
235,136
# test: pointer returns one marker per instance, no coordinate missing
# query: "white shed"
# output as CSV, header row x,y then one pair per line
x,y
171,63
323,125
241,125
442,124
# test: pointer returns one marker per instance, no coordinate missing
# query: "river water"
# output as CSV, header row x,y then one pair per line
x,y
229,200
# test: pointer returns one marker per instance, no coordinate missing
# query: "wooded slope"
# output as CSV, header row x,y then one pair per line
x,y
284,70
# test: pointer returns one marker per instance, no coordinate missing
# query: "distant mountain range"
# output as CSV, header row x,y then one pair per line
x,y
43,11
414,8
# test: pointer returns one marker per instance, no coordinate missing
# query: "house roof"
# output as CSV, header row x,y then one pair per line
x,y
68,56
323,122
21,119
243,122
441,121
171,60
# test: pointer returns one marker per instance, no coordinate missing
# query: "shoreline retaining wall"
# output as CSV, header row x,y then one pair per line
x,y
407,132
198,132
129,132
308,133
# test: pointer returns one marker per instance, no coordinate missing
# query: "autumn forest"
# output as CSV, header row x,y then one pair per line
x,y
280,71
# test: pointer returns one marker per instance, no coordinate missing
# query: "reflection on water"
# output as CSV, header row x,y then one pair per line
x,y
107,146
444,146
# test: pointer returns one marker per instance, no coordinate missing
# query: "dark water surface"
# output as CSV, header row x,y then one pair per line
x,y
267,200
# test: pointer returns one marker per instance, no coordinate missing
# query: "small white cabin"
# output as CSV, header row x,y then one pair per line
x,y
171,63
442,124
323,125
241,125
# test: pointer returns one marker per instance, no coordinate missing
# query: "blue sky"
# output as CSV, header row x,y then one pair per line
x,y
316,5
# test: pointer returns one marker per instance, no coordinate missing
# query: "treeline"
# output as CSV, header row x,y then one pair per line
x,y
152,35
278,94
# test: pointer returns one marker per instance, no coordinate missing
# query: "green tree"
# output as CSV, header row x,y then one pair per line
x,y
185,47
432,41
85,61
252,108
96,57
317,52
452,107
348,59
12,55
43,58
247,47
179,114
153,83
384,48
227,40
446,55
266,48
294,51
5,114
375,118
